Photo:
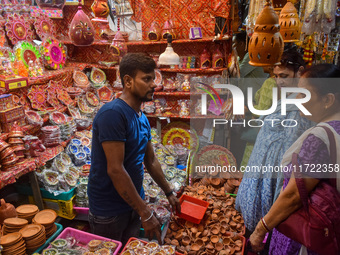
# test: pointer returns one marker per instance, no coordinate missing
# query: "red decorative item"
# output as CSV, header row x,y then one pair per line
x,y
118,46
217,59
64,97
55,4
37,96
100,8
54,53
18,29
92,99
167,29
154,32
105,94
52,95
81,29
58,118
205,59
44,27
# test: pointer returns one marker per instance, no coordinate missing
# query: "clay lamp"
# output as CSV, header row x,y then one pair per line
x,y
290,25
186,240
81,29
214,239
118,46
266,44
219,246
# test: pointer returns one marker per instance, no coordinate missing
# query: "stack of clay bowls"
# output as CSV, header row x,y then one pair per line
x,y
16,142
27,212
7,156
12,225
13,244
46,218
34,236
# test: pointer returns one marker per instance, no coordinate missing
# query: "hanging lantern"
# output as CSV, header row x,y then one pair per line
x,y
118,46
81,29
290,26
266,44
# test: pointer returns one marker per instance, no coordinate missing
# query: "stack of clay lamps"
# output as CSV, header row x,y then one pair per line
x,y
46,218
12,225
27,212
213,234
34,236
13,244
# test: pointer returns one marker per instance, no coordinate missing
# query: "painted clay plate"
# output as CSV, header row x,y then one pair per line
x,y
105,94
97,76
158,77
38,98
15,222
27,209
51,178
58,118
83,106
18,29
80,78
26,52
64,97
92,99
74,112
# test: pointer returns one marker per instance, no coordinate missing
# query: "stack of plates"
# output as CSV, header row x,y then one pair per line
x,y
34,236
46,218
27,212
13,244
12,225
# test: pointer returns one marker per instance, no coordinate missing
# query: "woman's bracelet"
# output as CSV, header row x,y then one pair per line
x,y
148,218
264,224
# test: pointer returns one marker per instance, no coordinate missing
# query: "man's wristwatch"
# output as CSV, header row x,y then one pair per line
x,y
170,193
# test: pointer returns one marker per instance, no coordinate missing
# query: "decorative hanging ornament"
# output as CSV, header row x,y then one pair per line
x,y
118,46
290,26
100,9
266,44
81,30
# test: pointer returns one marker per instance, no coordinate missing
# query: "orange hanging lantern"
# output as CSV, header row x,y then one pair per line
x,y
266,44
290,25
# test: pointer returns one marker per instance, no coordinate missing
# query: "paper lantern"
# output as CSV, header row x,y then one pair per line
x,y
266,44
290,26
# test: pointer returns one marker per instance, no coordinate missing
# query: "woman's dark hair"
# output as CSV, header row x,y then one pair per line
x,y
319,78
292,59
131,63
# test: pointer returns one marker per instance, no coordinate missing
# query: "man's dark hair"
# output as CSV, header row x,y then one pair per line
x,y
133,62
292,59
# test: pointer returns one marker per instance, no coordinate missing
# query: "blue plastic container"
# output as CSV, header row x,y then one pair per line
x,y
26,190
51,239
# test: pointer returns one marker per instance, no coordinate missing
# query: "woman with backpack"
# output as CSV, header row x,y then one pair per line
x,y
308,207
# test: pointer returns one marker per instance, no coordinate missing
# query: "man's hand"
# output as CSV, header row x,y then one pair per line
x,y
174,202
152,227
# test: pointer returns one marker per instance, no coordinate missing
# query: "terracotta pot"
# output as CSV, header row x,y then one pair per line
x,y
81,29
195,247
209,246
219,246
266,44
186,240
100,8
215,230
290,26
214,239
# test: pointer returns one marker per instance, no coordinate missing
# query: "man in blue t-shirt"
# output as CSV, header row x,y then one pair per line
x,y
121,143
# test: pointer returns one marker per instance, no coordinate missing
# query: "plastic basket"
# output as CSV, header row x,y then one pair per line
x,y
84,238
133,238
192,209
27,190
49,240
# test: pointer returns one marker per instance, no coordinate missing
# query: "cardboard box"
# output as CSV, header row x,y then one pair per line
x,y
13,83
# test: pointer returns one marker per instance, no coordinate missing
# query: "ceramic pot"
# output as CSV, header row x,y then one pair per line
x,y
290,26
100,8
81,29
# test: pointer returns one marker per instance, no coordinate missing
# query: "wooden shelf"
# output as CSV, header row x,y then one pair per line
x,y
89,65
66,40
193,70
